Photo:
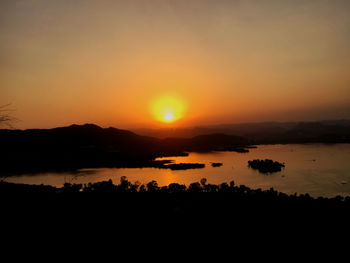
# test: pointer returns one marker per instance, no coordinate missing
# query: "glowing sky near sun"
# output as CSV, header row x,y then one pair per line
x,y
106,62
168,108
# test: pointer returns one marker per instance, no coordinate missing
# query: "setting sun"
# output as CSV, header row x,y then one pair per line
x,y
169,117
168,109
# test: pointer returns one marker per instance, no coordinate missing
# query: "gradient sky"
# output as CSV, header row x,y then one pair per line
x,y
104,62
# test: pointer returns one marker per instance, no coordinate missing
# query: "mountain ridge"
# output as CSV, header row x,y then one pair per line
x,y
328,131
88,145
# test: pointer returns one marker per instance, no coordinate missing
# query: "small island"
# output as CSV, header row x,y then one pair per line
x,y
183,166
266,166
216,164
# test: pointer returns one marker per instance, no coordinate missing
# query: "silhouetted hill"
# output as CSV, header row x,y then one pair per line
x,y
74,136
89,145
329,131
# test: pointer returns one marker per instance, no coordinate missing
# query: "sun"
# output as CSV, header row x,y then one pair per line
x,y
168,117
168,109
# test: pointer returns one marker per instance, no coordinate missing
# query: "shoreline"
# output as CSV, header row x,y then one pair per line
x,y
16,170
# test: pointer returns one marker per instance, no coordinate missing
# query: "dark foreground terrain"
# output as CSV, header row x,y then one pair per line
x,y
225,202
177,218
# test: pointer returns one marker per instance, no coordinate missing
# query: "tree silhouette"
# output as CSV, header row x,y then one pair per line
x,y
152,186
5,117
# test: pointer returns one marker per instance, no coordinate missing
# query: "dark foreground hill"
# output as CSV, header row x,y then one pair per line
x,y
82,146
236,206
180,217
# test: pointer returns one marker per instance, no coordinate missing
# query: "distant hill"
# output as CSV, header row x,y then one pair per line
x,y
83,146
328,131
89,145
207,142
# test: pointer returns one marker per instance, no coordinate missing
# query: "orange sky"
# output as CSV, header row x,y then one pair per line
x,y
104,62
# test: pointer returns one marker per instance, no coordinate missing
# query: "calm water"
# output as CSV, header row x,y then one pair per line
x,y
317,169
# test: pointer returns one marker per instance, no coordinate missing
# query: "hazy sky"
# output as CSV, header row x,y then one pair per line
x,y
104,62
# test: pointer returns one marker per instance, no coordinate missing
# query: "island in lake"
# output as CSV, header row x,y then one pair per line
x,y
266,166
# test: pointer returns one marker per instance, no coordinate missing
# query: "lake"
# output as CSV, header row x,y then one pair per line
x,y
317,169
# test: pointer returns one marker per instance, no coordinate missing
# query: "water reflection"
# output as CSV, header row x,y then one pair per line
x,y
318,169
